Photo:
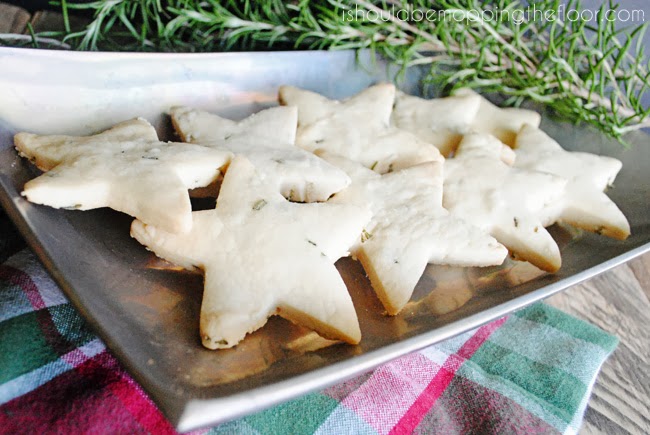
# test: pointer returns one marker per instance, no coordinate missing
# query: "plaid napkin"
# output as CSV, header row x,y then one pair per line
x,y
531,372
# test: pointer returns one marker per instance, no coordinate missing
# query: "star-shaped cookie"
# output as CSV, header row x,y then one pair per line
x,y
409,229
584,204
357,128
505,201
126,168
502,123
263,255
267,139
439,121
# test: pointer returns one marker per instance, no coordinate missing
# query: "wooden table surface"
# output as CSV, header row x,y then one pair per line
x,y
617,301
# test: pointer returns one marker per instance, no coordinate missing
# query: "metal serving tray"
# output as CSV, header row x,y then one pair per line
x,y
148,313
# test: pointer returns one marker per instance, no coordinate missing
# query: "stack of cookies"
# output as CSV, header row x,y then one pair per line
x,y
396,181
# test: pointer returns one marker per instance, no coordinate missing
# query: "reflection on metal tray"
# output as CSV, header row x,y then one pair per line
x,y
147,312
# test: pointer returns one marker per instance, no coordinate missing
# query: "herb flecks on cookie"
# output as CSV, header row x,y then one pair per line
x,y
357,128
125,168
267,139
263,255
505,201
410,229
584,203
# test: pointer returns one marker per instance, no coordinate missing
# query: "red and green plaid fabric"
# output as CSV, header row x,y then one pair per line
x,y
531,372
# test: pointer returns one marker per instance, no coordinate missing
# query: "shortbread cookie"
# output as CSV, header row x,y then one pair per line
x,y
267,139
126,168
505,201
409,229
502,123
263,255
584,204
439,121
357,128
270,128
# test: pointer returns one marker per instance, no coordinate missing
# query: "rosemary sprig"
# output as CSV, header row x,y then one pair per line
x,y
585,71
